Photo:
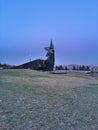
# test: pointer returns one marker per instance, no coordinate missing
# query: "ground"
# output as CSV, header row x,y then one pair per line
x,y
31,100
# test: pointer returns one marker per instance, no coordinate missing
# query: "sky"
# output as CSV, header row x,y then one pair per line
x,y
27,26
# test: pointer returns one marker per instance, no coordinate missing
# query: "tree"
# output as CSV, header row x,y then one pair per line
x,y
80,68
60,67
83,67
87,68
74,67
66,68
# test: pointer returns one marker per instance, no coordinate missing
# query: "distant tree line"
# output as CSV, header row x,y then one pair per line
x,y
80,67
87,68
5,66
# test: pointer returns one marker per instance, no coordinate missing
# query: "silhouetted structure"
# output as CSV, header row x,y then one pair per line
x,y
35,65
39,64
49,62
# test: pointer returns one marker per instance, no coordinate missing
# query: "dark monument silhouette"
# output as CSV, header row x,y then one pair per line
x,y
49,62
39,64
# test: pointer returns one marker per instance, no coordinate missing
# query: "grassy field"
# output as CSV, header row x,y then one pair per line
x,y
31,100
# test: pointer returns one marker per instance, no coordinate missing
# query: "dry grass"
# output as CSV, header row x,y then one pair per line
x,y
31,100
53,80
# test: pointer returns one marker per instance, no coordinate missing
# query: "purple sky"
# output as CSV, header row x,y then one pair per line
x,y
27,26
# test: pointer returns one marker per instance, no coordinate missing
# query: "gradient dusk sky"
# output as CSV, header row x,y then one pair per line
x,y
27,26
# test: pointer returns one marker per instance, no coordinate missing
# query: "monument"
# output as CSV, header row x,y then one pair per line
x,y
50,57
40,64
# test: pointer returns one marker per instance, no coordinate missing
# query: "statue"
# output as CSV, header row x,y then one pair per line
x,y
50,57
